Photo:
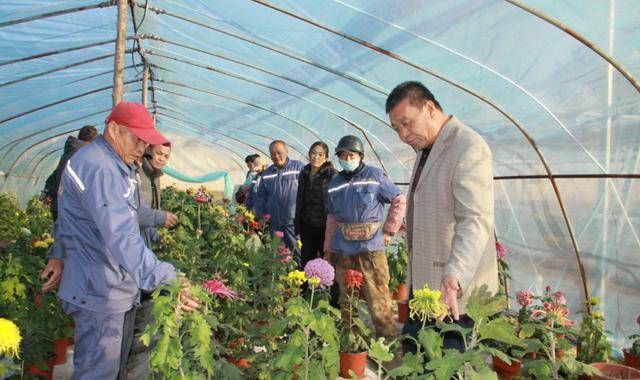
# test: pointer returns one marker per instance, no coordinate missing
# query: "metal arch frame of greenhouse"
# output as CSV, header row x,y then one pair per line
x,y
150,74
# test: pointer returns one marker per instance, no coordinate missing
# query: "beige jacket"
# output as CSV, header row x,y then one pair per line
x,y
450,215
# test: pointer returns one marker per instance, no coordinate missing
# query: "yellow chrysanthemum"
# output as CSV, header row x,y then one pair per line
x,y
426,304
9,338
249,215
40,244
299,244
296,277
314,281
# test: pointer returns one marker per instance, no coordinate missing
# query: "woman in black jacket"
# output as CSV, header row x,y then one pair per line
x,y
311,210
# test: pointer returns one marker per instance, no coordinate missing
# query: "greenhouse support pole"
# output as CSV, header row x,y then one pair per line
x,y
607,163
145,79
118,63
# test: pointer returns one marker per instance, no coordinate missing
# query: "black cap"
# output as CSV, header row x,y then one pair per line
x,y
350,143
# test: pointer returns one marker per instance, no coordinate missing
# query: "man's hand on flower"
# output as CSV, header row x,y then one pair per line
x,y
450,288
187,301
387,239
170,220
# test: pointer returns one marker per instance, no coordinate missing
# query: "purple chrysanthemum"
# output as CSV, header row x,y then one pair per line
x,y
322,270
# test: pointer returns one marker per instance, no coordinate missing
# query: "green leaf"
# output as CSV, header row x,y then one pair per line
x,y
431,341
527,330
500,330
483,373
444,368
497,353
411,364
380,351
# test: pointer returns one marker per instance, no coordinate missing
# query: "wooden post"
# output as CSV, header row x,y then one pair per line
x,y
145,79
118,64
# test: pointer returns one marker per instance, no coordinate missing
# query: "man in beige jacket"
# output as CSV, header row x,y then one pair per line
x,y
450,232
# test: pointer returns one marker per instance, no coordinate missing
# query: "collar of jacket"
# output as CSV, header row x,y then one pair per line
x,y
325,169
349,175
149,170
104,145
73,143
284,167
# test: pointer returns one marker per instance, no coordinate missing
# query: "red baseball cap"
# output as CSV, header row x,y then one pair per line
x,y
138,119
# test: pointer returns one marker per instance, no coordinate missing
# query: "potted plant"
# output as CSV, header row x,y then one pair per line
x,y
185,348
397,259
353,331
593,346
632,354
311,348
508,358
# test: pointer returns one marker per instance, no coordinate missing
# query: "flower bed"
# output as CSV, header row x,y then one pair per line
x,y
261,318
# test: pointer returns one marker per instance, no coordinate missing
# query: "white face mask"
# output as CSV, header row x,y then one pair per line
x,y
350,165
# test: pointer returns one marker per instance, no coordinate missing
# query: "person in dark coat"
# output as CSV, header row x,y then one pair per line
x,y
311,210
86,135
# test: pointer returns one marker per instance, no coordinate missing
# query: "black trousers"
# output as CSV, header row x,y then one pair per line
x,y
312,239
450,339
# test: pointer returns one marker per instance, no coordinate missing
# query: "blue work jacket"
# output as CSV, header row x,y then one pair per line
x,y
106,261
360,199
277,193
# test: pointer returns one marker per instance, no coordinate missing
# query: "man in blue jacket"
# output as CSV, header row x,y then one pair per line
x,y
277,193
106,262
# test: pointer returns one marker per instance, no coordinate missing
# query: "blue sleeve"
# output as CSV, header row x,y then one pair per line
x,y
260,200
104,200
148,217
387,189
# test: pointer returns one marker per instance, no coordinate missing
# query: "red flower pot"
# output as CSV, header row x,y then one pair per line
x,y
47,374
60,350
353,362
612,371
240,363
401,292
403,311
506,371
631,360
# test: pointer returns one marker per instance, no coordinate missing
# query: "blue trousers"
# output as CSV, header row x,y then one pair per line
x,y
98,343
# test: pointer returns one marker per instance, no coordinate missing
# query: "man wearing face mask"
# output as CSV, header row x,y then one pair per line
x,y
277,192
357,233
106,262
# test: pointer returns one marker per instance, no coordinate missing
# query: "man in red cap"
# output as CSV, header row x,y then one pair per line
x,y
106,262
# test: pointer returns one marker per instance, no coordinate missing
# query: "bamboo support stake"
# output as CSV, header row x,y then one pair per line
x,y
145,79
118,65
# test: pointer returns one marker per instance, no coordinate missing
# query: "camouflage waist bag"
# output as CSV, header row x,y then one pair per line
x,y
359,231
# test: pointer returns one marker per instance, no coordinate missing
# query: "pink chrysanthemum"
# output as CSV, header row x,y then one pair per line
x,y
218,288
279,234
501,251
559,298
322,270
524,297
